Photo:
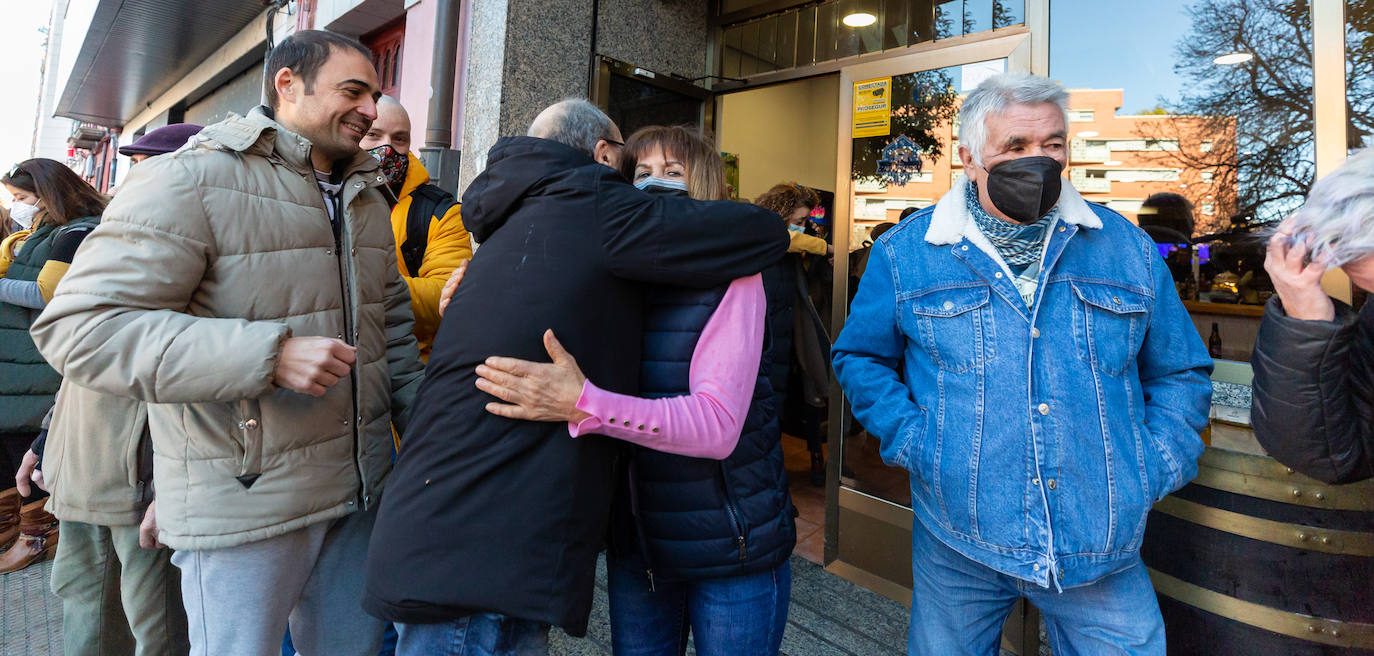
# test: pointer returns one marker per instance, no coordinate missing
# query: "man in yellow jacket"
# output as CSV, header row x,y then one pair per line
x,y
425,260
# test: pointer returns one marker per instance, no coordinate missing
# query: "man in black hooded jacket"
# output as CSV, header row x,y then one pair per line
x,y
491,526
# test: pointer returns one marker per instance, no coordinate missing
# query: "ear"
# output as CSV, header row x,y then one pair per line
x,y
970,167
284,82
605,153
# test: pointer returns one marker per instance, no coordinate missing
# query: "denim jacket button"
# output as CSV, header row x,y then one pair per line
x,y
997,275
1051,484
949,305
1044,408
1035,481
1035,333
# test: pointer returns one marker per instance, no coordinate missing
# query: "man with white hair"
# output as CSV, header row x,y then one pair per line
x,y
1025,356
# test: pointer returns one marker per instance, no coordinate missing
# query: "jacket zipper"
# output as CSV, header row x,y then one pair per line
x,y
734,515
639,526
340,229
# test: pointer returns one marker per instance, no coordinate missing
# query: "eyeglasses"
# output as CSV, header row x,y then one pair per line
x,y
613,142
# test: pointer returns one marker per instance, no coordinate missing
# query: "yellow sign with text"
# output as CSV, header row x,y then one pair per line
x,y
873,108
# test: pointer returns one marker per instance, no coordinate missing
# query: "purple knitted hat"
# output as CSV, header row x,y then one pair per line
x,y
162,140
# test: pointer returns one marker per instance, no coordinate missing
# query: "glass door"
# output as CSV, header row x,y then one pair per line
x,y
897,149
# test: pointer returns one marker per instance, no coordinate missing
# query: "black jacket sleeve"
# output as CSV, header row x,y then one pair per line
x,y
682,242
1313,392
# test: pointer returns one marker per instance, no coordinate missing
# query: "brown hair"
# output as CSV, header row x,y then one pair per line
x,y
785,197
305,53
65,196
705,168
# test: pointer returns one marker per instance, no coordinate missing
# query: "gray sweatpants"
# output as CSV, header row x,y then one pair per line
x,y
239,599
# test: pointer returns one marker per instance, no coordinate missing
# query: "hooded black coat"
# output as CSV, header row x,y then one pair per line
x,y
1313,404
487,514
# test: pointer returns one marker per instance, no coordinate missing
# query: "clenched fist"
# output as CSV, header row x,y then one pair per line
x,y
310,365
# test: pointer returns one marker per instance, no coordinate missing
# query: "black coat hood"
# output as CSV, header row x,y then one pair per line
x,y
517,167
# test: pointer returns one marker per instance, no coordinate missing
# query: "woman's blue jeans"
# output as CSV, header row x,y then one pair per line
x,y
734,616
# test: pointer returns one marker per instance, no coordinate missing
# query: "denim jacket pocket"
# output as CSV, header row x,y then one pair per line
x,y
1109,324
953,325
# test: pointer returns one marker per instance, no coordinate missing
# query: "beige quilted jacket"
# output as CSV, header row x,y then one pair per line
x,y
207,260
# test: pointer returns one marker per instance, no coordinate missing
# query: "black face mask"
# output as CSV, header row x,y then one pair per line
x,y
1025,189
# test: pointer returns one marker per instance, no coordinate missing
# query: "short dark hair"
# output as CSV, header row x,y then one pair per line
x,y
66,197
304,52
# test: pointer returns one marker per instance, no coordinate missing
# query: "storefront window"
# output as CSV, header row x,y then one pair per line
x,y
846,28
910,164
1193,118
1359,73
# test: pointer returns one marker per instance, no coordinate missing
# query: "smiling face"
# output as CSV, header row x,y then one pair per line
x,y
1020,131
335,110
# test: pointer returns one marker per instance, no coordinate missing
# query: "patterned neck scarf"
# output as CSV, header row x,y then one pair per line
x,y
1020,245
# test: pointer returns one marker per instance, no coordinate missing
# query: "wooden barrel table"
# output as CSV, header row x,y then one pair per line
x,y
1252,558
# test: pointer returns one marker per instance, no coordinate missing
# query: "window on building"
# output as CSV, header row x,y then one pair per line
x,y
1081,115
816,33
1185,127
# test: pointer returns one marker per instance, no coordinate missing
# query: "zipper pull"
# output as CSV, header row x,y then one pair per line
x,y
742,555
651,579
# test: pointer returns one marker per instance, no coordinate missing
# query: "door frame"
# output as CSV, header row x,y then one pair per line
x,y
865,534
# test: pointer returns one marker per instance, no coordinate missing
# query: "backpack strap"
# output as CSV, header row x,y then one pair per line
x,y
426,202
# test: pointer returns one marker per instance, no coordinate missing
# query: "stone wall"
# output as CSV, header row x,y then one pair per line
x,y
524,55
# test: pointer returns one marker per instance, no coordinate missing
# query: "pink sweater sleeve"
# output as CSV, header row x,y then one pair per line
x,y
705,423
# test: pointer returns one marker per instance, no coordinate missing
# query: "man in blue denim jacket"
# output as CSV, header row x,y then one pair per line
x,y
1025,356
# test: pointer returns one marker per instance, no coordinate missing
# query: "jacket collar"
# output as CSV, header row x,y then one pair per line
x,y
951,220
258,134
416,175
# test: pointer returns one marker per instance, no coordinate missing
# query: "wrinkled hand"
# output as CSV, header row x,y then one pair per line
x,y
535,391
1298,284
451,285
147,531
28,471
310,365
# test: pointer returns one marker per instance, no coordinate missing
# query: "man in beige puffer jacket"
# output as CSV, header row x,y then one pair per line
x,y
246,288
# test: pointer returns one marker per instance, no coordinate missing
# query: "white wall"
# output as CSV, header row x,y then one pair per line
x,y
50,141
786,132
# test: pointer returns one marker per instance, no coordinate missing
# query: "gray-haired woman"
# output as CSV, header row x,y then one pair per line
x,y
1314,357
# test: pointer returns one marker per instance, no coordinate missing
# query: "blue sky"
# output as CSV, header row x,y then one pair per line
x,y
1118,44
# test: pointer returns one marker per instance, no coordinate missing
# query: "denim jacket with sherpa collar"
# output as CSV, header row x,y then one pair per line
x,y
1037,438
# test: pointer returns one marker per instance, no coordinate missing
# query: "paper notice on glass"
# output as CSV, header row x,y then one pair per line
x,y
972,75
873,108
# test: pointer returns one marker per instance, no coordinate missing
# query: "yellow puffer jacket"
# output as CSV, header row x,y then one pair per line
x,y
448,245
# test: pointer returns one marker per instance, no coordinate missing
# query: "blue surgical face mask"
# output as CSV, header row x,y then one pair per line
x,y
796,228
662,186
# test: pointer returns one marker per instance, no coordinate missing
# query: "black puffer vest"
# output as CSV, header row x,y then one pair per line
x,y
682,518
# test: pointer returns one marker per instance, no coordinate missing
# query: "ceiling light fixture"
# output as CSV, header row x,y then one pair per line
x,y
860,19
1233,58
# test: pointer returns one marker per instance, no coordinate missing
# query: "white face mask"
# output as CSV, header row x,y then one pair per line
x,y
23,213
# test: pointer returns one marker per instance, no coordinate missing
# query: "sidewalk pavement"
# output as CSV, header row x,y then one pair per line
x,y
829,617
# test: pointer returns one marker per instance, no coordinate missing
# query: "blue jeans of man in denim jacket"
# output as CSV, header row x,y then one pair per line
x,y
1037,438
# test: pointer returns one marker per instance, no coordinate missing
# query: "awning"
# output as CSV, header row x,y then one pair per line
x,y
136,51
